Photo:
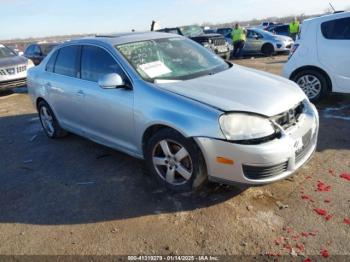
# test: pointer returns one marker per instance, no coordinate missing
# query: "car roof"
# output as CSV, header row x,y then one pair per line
x,y
328,16
124,38
281,25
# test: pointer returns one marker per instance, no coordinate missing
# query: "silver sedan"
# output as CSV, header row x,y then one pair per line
x,y
261,41
189,114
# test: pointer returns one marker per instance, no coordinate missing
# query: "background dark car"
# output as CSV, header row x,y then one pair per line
x,y
226,32
37,52
209,31
216,42
279,30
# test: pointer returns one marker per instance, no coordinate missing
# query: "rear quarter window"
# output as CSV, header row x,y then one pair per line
x,y
51,64
338,29
67,61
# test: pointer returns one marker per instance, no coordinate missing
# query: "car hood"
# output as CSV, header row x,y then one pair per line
x,y
211,35
284,38
241,89
13,61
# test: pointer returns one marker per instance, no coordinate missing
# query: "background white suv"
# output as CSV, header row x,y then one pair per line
x,y
320,60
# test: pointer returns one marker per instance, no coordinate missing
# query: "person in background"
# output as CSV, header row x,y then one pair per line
x,y
238,39
294,28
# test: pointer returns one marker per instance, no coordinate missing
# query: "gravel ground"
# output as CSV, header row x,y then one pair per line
x,y
74,197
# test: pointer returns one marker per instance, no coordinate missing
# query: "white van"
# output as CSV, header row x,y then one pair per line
x,y
320,60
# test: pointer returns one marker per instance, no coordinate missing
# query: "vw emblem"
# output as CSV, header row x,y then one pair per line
x,y
291,115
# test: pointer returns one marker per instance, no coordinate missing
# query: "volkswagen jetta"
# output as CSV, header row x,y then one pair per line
x,y
166,99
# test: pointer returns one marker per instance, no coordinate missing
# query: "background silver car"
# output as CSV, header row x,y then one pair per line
x,y
170,101
261,41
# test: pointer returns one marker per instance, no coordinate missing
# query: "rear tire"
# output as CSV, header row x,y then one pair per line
x,y
268,50
49,122
175,161
313,83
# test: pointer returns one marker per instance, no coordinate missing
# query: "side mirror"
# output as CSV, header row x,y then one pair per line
x,y
110,81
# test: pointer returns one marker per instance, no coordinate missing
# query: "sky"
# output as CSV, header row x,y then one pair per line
x,y
35,18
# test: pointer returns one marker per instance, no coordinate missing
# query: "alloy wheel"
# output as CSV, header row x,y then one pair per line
x,y
172,162
47,120
311,85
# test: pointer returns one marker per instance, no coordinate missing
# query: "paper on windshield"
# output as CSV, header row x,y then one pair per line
x,y
155,69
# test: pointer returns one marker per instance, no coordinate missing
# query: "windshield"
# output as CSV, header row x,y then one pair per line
x,y
171,59
6,52
191,31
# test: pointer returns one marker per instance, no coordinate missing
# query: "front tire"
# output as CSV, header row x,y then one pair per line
x,y
268,50
313,83
175,161
49,122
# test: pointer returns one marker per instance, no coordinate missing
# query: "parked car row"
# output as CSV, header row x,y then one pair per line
x,y
213,41
261,41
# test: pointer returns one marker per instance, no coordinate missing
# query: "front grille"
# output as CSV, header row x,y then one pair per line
x,y
219,41
263,172
21,68
289,118
307,144
13,83
11,71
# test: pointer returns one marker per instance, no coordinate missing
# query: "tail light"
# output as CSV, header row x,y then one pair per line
x,y
293,50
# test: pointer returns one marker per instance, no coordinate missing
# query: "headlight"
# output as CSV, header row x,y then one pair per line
x,y
30,64
239,126
206,45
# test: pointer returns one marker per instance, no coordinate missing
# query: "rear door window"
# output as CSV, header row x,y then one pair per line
x,y
51,64
67,61
338,29
96,62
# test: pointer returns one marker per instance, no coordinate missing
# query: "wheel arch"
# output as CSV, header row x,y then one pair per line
x,y
38,100
153,129
315,68
268,44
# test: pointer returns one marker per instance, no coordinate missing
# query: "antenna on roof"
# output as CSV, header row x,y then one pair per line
x,y
332,7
